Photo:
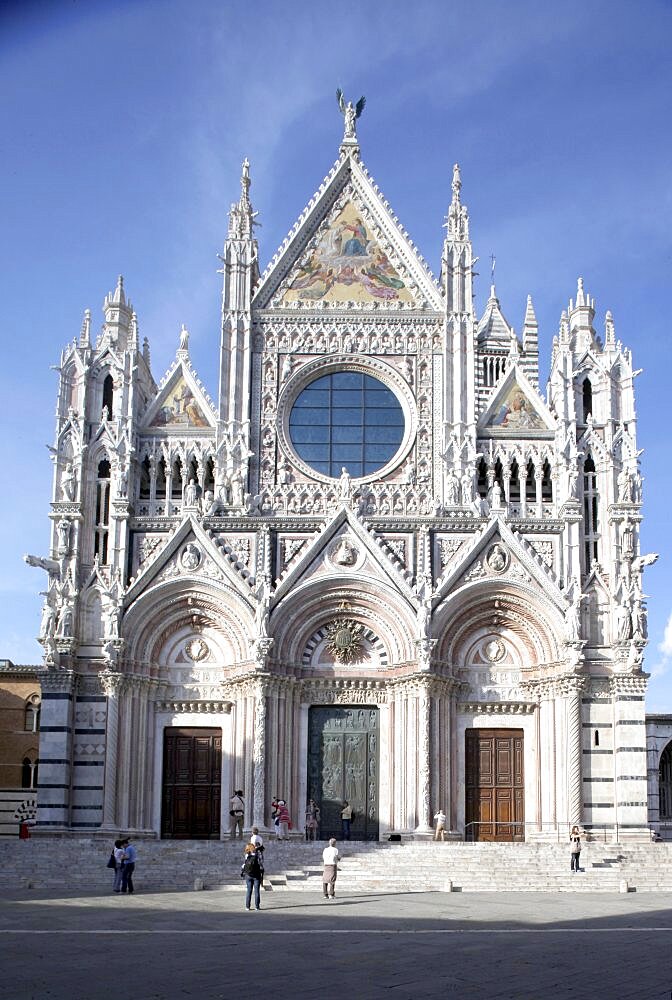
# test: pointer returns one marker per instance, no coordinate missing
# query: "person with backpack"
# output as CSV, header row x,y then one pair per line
x,y
253,873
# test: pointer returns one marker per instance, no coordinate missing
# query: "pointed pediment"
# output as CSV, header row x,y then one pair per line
x,y
191,552
181,403
499,555
516,410
344,547
347,250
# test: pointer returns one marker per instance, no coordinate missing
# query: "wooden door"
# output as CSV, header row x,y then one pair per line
x,y
343,764
192,777
495,786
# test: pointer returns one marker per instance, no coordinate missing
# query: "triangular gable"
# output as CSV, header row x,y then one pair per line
x,y
345,248
365,553
516,409
493,327
499,554
204,558
181,403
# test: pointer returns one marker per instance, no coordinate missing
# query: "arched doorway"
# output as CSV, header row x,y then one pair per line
x,y
665,786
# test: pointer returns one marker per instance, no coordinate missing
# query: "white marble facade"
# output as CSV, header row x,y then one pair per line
x,y
207,571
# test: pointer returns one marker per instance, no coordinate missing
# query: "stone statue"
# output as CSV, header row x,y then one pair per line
x,y
69,483
572,481
496,496
262,611
623,623
410,475
65,617
63,530
639,625
287,365
467,489
48,621
284,474
237,491
344,484
573,620
184,339
452,489
424,621
191,494
624,487
351,112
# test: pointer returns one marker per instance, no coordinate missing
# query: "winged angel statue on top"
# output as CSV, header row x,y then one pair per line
x,y
351,112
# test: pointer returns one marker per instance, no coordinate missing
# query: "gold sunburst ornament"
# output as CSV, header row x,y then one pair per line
x,y
344,639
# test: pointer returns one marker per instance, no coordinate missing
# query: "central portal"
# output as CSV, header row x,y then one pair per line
x,y
192,784
495,785
343,765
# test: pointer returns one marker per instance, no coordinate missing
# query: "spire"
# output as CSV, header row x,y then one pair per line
x,y
531,343
118,297
241,216
581,316
609,331
85,334
457,220
145,352
183,350
134,338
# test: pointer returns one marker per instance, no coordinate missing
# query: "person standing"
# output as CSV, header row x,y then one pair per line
x,y
118,853
330,858
256,839
128,867
237,813
346,820
253,873
575,842
283,820
274,814
312,819
440,820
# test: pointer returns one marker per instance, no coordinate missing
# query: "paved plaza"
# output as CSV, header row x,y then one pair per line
x,y
204,944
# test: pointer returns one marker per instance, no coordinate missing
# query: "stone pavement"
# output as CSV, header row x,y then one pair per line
x,y
490,946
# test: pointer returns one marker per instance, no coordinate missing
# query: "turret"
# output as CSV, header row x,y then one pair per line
x,y
241,273
457,281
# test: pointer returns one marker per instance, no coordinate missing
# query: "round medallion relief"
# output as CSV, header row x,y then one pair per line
x,y
497,558
191,556
494,650
197,649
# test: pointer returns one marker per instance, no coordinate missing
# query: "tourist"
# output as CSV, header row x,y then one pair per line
x,y
253,873
256,839
440,820
118,854
128,867
330,858
312,819
237,813
274,814
346,820
283,821
575,841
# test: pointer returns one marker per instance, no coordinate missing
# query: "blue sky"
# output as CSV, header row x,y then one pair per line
x,y
123,137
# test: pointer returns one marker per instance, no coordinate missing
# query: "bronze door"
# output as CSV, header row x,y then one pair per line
x,y
343,764
192,776
495,786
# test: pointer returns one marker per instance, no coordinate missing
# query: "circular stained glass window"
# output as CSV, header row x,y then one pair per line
x,y
346,420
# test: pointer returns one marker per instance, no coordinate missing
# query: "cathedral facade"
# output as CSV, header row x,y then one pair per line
x,y
382,566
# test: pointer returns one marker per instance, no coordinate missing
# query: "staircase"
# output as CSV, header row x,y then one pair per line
x,y
163,865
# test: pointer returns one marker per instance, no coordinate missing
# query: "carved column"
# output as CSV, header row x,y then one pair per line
x,y
125,753
424,760
259,756
141,755
112,685
574,751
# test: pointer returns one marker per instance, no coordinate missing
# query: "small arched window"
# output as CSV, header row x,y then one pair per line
x,y
514,483
530,483
29,773
587,399
108,394
31,722
145,479
102,511
590,513
482,478
546,483
161,479
177,480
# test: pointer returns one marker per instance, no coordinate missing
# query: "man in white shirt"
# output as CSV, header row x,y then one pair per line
x,y
440,820
330,858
